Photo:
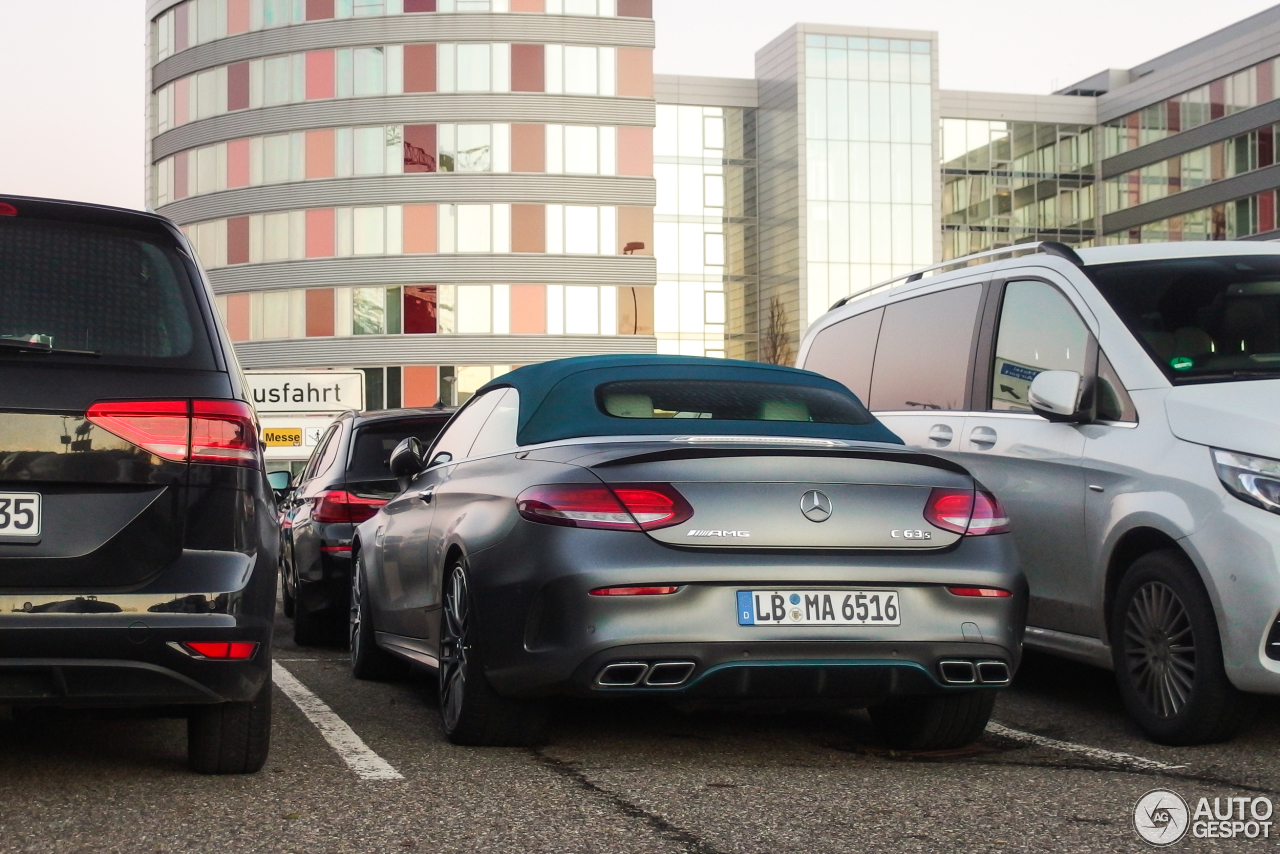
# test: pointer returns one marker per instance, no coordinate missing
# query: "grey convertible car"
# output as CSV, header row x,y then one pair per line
x,y
696,529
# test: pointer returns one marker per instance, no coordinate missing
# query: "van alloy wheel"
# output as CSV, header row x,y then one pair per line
x,y
1160,648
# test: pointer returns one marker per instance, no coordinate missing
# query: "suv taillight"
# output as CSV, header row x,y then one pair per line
x,y
223,432
972,513
338,505
629,507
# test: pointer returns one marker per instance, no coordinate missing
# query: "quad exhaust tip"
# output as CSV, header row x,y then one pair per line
x,y
993,673
667,674
961,672
958,672
632,674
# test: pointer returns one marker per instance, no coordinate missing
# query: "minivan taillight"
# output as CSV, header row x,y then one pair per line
x,y
203,431
223,431
972,513
338,505
631,507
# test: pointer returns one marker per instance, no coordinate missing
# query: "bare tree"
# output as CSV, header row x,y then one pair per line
x,y
776,347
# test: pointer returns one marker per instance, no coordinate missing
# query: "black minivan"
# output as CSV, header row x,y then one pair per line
x,y
138,539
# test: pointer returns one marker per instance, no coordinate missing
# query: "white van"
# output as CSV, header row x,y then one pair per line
x,y
1123,402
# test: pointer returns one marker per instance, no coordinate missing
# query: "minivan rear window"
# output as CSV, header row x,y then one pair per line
x,y
119,294
1201,319
371,459
728,401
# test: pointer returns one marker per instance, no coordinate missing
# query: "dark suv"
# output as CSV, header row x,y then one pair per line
x,y
345,482
138,545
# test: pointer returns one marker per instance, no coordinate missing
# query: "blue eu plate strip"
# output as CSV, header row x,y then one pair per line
x,y
746,610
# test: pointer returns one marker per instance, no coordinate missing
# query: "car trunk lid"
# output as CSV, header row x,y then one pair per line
x,y
794,498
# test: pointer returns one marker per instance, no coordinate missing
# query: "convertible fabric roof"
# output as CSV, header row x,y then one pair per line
x,y
558,400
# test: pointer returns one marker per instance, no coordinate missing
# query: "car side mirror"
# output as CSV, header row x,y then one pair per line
x,y
279,480
1056,395
406,460
440,459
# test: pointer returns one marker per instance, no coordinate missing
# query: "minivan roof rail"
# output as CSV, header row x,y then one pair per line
x,y
1043,247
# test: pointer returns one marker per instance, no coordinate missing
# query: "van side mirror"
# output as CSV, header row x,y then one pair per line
x,y
406,460
1056,395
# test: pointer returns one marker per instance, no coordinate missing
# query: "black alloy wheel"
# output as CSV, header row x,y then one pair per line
x,y
471,712
368,660
1168,655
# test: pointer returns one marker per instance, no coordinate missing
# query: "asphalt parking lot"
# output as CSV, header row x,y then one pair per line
x,y
1061,772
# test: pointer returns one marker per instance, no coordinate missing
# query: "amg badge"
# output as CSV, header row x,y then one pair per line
x,y
698,532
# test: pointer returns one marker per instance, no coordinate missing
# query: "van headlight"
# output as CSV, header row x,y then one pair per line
x,y
1252,479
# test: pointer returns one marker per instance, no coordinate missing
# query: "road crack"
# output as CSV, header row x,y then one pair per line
x,y
691,841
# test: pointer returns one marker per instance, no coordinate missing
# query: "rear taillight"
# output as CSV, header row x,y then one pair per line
x,y
233,651
7,209
631,507
982,592
223,432
654,505
338,505
575,506
961,511
988,515
656,590
202,431
162,427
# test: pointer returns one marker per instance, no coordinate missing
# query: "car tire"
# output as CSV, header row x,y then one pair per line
x,y
471,712
368,660
1167,655
311,628
230,738
286,583
936,722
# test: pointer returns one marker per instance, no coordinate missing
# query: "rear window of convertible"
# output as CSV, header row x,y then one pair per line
x,y
728,401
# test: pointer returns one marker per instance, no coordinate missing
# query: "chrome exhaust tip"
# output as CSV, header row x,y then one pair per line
x,y
958,672
993,672
668,674
622,674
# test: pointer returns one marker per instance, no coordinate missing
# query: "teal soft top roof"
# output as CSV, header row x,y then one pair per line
x,y
558,399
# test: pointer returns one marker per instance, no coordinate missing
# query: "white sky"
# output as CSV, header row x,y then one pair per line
x,y
72,93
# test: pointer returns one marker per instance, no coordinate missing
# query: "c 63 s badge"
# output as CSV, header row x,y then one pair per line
x,y
911,535
699,532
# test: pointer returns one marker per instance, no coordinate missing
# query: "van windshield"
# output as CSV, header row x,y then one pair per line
x,y
1201,319
108,294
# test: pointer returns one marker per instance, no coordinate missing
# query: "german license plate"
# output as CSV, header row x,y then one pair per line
x,y
19,516
818,608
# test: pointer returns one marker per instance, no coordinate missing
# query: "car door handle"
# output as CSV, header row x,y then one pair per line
x,y
426,494
941,435
983,437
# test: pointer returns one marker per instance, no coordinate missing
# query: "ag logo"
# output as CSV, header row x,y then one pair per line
x,y
1161,817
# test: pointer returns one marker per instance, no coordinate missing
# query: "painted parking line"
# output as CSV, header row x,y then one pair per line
x,y
359,758
1112,757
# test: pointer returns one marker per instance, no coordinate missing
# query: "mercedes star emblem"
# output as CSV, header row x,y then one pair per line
x,y
815,506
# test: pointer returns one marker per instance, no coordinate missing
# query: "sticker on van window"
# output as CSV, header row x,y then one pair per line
x,y
1182,363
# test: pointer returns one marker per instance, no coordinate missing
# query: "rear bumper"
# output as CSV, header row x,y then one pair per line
x,y
105,648
127,664
788,670
543,633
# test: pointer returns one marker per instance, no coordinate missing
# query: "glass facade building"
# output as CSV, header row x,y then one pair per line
x,y
1011,181
354,211
704,228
